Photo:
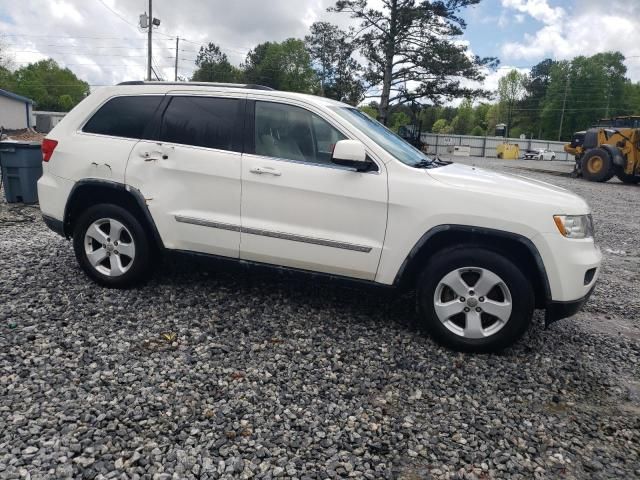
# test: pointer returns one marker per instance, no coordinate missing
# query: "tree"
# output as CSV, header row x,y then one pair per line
x,y
213,66
331,51
411,42
283,66
399,119
536,85
511,89
49,86
478,131
441,126
463,121
586,89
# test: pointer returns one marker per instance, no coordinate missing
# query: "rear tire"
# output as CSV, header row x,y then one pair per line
x,y
112,247
597,165
626,178
497,306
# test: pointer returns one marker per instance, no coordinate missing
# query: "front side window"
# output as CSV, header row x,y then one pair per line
x,y
293,133
392,143
201,121
124,116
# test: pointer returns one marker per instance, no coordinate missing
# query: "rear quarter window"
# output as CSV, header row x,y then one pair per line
x,y
124,116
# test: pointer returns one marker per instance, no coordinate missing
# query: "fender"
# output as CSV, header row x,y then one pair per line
x,y
132,192
484,233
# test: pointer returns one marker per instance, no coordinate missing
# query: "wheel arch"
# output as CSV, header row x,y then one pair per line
x,y
89,192
517,248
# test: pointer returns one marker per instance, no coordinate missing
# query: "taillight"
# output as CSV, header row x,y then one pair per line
x,y
48,146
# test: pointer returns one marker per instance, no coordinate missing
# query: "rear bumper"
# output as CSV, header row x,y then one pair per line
x,y
54,224
559,310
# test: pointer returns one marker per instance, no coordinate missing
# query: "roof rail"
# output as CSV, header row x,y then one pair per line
x,y
200,84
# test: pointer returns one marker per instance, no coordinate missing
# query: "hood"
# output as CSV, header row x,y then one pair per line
x,y
511,186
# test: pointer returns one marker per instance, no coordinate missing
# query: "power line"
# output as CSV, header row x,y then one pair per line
x,y
117,14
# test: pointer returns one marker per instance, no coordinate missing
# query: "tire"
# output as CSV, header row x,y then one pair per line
x,y
477,266
626,178
106,265
597,165
553,157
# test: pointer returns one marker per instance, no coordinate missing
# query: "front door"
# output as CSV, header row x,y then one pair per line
x,y
300,210
190,175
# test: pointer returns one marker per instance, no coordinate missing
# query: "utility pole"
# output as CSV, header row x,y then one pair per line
x,y
175,74
149,40
564,104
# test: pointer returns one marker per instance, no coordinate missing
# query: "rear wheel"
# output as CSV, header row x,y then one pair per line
x,y
597,165
626,178
112,247
474,299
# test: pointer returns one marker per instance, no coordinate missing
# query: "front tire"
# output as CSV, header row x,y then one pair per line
x,y
597,165
112,246
473,299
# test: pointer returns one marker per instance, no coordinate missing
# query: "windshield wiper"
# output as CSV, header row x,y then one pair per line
x,y
426,163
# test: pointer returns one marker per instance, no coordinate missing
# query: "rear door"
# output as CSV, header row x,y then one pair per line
x,y
190,174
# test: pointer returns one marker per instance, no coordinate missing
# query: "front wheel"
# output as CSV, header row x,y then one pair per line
x,y
474,299
597,165
112,246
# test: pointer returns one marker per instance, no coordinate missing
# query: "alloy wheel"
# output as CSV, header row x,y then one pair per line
x,y
472,302
109,247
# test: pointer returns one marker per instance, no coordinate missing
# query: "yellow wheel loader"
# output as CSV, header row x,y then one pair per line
x,y
604,152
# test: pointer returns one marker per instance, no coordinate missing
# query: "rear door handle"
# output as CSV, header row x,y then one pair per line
x,y
265,170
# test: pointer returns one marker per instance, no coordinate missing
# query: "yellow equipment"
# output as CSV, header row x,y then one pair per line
x,y
508,151
603,152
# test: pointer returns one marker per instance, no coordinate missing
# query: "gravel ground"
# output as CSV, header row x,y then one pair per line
x,y
218,373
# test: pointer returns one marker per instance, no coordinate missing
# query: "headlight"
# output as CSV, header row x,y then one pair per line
x,y
574,226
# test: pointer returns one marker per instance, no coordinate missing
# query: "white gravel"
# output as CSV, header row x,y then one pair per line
x,y
209,373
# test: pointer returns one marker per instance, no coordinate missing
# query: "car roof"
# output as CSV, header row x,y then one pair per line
x,y
132,87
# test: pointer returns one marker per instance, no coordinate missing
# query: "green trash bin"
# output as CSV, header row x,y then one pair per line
x,y
21,165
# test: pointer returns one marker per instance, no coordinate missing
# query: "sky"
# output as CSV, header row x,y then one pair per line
x,y
100,42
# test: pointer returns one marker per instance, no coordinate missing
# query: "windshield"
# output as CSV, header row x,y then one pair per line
x,y
384,137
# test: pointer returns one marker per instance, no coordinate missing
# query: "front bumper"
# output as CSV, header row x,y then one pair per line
x,y
54,224
559,310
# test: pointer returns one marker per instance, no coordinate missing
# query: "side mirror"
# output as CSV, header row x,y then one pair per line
x,y
351,153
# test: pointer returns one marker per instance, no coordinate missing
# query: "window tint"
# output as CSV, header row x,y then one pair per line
x,y
201,121
284,131
124,116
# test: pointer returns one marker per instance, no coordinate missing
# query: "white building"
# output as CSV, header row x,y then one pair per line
x,y
15,111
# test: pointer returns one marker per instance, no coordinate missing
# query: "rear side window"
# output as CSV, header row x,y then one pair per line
x,y
124,116
202,122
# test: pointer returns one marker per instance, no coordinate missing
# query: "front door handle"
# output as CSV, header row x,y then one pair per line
x,y
265,170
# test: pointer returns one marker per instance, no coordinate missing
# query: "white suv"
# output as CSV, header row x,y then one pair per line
x,y
303,182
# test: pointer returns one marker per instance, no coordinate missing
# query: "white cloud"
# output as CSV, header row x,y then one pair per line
x,y
102,48
538,9
588,31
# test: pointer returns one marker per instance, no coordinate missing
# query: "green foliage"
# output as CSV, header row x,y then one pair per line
x,y
441,126
49,86
339,74
399,119
213,66
463,121
283,66
370,110
478,131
